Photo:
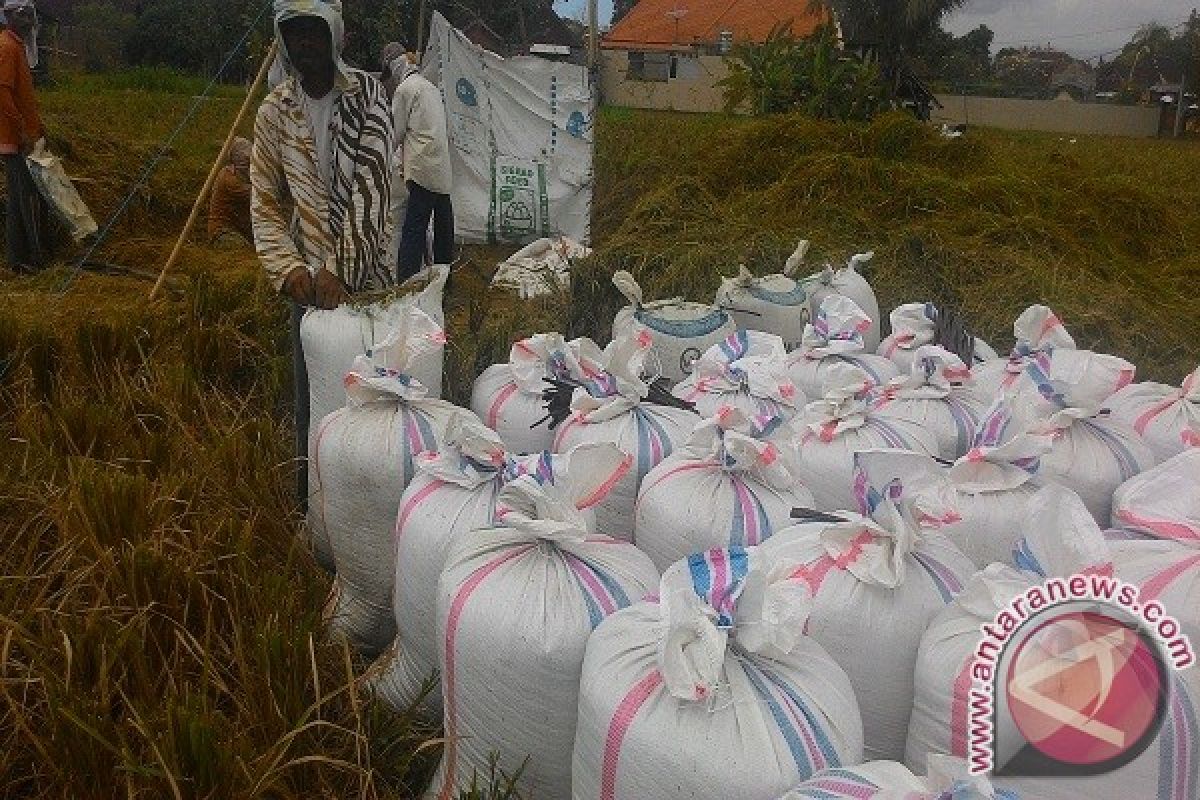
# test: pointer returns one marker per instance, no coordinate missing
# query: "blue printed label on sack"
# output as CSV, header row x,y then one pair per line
x,y
465,90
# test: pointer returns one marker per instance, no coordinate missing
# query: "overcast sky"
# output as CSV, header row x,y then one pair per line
x,y
1087,27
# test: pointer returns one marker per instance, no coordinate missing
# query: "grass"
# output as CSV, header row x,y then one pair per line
x,y
160,630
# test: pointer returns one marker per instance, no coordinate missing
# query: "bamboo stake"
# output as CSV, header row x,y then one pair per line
x,y
247,104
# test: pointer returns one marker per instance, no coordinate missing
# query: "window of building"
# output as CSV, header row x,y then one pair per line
x,y
650,66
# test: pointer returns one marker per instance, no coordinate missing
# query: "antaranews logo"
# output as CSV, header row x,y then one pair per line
x,y
1072,678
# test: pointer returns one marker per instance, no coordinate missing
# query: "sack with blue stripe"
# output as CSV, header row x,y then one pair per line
x,y
915,325
711,690
776,304
617,406
877,579
838,425
835,336
508,396
517,602
990,487
333,339
455,492
1091,452
1063,541
848,281
1029,368
945,778
938,394
747,371
680,331
362,458
732,484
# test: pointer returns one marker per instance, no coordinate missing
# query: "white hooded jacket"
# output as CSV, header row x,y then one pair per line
x,y
420,119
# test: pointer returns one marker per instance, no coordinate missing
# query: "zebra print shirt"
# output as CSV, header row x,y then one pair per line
x,y
301,222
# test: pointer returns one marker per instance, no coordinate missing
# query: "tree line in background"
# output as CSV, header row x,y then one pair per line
x,y
196,36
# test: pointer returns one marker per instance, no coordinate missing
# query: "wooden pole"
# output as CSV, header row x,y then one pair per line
x,y
593,34
198,206
421,31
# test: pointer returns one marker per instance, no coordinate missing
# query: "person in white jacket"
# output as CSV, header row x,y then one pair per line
x,y
420,121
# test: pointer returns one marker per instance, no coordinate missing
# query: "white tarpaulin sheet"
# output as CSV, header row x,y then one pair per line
x,y
521,140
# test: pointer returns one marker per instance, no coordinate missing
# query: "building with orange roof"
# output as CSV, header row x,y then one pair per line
x,y
708,25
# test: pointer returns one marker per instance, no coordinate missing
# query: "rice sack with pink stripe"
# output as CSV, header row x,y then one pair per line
x,y
616,407
1163,502
333,339
946,778
938,394
914,325
508,397
363,457
1030,368
848,281
516,605
947,671
1166,571
712,690
732,484
832,429
747,371
679,331
989,488
1090,453
876,580
454,492
774,304
1166,417
834,337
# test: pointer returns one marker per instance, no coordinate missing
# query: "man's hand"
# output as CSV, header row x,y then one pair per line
x,y
298,285
330,290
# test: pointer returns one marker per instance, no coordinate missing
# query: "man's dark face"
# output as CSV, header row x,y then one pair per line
x,y
309,45
21,20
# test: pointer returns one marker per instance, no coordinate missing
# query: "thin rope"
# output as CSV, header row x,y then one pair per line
x,y
157,159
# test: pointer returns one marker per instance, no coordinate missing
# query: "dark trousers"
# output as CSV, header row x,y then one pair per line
x,y
300,407
423,205
23,217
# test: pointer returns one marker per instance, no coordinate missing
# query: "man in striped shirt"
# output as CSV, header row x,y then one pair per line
x,y
321,179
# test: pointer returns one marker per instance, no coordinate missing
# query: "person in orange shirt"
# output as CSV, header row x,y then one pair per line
x,y
229,222
20,129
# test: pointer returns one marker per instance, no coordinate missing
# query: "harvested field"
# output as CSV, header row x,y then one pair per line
x,y
159,618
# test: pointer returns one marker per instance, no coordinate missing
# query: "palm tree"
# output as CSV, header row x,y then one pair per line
x,y
887,29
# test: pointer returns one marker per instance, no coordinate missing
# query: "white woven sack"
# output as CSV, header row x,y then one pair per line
x,y
540,268
747,371
713,691
516,606
681,331
732,484
836,336
876,581
1046,357
362,460
775,304
1091,453
455,492
938,394
508,397
914,325
1164,570
834,428
332,340
1166,417
946,778
941,713
612,407
847,282
989,488
1163,502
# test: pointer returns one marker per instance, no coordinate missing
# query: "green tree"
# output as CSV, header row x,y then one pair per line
x,y
103,30
890,29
